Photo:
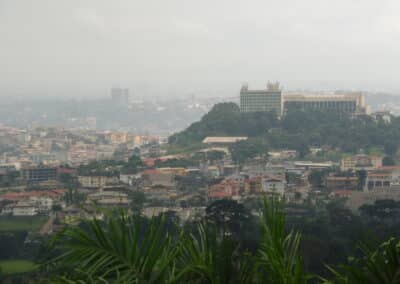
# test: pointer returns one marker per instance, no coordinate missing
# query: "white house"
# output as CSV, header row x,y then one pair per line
x,y
273,185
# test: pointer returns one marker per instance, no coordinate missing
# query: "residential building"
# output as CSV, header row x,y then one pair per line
x,y
360,162
158,178
95,181
385,177
39,174
272,184
282,155
108,198
228,188
21,208
268,100
334,183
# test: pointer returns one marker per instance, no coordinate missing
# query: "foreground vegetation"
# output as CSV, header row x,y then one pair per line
x,y
128,249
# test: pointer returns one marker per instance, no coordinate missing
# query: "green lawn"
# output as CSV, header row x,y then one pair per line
x,y
16,266
10,223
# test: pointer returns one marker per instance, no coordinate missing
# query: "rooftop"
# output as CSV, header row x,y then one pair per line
x,y
223,139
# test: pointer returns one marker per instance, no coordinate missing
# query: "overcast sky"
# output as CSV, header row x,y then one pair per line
x,y
207,47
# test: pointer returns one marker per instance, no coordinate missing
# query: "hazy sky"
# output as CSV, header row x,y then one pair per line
x,y
166,47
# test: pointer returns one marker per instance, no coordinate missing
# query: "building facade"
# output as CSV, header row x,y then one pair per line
x,y
360,162
351,102
385,177
269,100
39,174
97,181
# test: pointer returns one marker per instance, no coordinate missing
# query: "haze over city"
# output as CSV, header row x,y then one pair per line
x,y
207,48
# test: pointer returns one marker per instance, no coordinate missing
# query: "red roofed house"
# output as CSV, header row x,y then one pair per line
x,y
227,188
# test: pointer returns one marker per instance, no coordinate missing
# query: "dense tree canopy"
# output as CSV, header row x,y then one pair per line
x,y
297,130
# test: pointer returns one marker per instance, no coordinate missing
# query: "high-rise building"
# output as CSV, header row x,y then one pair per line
x,y
120,95
269,100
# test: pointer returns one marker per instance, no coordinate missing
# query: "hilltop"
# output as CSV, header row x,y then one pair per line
x,y
297,130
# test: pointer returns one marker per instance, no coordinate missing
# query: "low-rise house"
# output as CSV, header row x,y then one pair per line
x,y
97,181
213,171
222,140
25,209
272,184
282,155
158,178
21,208
108,198
42,203
55,195
129,179
384,177
175,171
334,183
228,188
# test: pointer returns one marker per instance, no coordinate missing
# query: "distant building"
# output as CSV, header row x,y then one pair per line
x,y
39,174
385,177
97,181
273,185
360,162
157,178
269,100
282,155
351,102
108,198
117,137
384,116
341,183
120,96
24,209
222,140
226,189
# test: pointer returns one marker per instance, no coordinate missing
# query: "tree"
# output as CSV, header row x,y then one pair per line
x,y
302,149
243,150
390,148
56,208
362,177
229,217
138,199
68,180
316,178
388,161
133,165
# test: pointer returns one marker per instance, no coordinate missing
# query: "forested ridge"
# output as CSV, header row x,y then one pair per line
x,y
295,130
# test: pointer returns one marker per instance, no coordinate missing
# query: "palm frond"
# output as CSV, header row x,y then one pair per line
x,y
381,265
278,259
124,249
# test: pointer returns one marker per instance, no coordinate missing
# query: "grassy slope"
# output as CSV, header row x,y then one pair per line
x,y
21,223
16,266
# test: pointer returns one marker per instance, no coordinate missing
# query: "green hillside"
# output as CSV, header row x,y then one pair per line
x,y
297,130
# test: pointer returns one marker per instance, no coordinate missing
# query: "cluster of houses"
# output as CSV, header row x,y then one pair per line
x,y
31,203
